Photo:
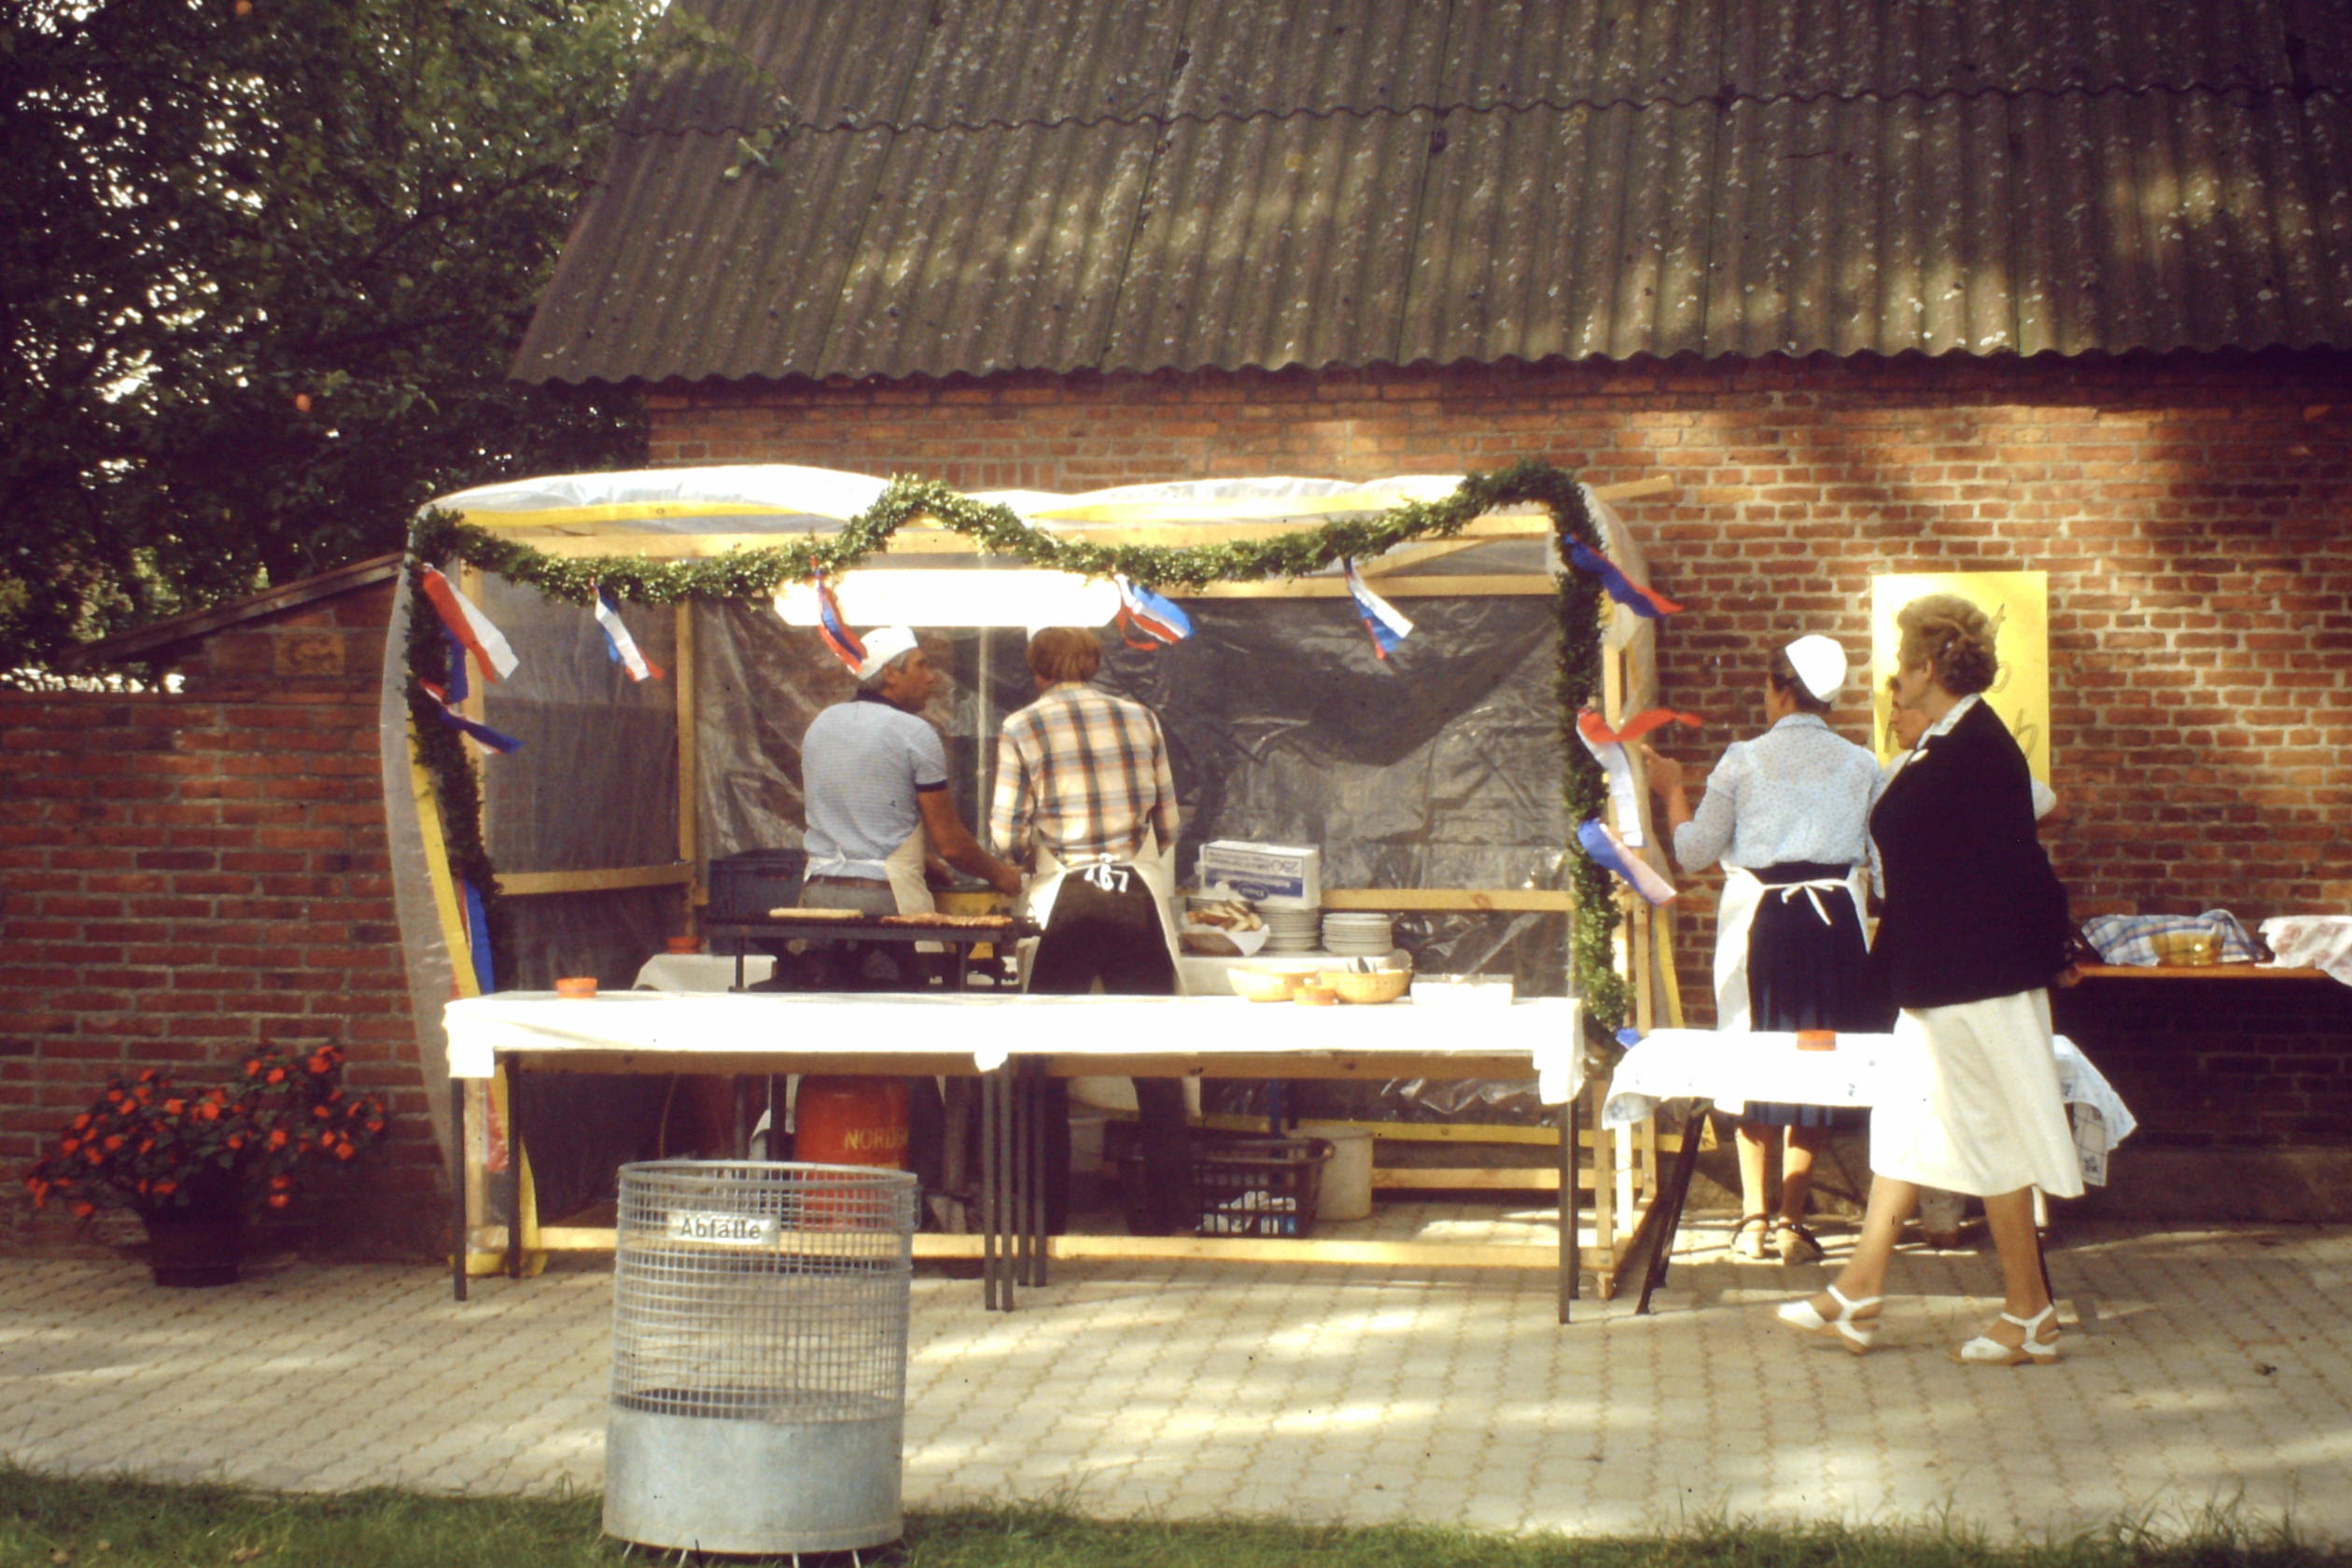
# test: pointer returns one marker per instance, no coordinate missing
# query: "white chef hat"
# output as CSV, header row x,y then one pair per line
x,y
882,644
1820,664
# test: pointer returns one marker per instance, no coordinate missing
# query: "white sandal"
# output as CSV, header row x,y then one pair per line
x,y
1853,1334
1985,1351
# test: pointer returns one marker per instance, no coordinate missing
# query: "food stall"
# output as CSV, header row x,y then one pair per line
x,y
1434,779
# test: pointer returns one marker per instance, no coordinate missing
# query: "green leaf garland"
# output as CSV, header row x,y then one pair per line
x,y
440,539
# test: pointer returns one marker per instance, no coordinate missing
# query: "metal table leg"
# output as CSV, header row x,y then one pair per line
x,y
996,1281
514,1170
1570,1246
1668,1220
459,1241
1031,1152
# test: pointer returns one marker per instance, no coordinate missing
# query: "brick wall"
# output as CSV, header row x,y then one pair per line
x,y
2192,514
185,877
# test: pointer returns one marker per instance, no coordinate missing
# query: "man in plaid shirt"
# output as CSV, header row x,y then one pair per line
x,y
1083,784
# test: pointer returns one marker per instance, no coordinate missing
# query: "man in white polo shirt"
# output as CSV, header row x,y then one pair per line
x,y
874,775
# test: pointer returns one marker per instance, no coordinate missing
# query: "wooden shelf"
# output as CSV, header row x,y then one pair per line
x,y
2196,972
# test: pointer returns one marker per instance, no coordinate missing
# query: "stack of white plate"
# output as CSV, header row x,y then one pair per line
x,y
1291,931
1358,935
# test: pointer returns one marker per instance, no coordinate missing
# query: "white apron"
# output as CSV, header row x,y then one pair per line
x,y
1735,914
1037,902
1151,864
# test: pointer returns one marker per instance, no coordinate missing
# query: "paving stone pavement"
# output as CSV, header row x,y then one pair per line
x,y
2204,1369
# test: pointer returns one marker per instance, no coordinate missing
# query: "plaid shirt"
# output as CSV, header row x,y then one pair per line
x,y
1084,774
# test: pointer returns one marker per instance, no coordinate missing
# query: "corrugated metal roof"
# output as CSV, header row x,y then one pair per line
x,y
1136,185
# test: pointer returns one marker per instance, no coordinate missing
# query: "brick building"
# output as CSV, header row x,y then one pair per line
x,y
2063,288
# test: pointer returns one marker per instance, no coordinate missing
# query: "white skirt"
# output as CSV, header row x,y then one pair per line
x,y
1981,1114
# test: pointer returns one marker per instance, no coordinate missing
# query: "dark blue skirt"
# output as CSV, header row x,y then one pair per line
x,y
1804,972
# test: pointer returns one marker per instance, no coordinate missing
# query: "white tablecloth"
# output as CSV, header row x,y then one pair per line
x,y
1546,1031
701,971
2321,942
1676,1064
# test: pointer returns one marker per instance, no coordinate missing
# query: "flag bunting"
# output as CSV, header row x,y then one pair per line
x,y
1382,619
1148,620
1642,600
497,740
469,627
836,633
1634,872
619,644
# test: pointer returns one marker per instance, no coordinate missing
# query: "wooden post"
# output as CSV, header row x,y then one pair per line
x,y
688,775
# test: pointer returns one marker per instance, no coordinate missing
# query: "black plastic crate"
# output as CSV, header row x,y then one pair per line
x,y
1243,1185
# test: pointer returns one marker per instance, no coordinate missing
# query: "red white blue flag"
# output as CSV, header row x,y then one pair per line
x,y
497,740
1608,850
1641,599
1382,619
469,627
836,633
1147,620
620,644
1596,730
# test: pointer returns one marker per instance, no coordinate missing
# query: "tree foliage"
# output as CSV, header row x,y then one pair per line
x,y
264,264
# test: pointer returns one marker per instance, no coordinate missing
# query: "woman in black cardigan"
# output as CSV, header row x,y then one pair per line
x,y
1973,930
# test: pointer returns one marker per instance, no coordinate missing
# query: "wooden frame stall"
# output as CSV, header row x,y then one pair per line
x,y
1618,1167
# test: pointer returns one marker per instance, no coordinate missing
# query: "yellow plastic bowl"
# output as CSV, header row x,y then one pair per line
x,y
1382,985
1265,984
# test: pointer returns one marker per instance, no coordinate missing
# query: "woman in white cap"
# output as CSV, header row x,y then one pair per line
x,y
1787,814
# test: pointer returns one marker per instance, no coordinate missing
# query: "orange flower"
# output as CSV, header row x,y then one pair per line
x,y
277,1201
343,1151
81,1121
175,1107
281,1181
277,1138
68,1145
114,1141
277,1076
165,1186
85,1208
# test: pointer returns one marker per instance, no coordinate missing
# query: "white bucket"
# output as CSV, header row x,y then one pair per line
x,y
1346,1192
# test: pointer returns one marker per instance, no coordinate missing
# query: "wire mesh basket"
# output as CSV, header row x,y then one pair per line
x,y
759,1355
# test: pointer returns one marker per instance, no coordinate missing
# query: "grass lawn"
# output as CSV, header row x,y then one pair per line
x,y
47,1522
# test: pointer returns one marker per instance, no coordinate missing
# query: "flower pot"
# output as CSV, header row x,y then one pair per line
x,y
195,1249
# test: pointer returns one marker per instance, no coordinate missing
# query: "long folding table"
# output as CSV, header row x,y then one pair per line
x,y
1013,1043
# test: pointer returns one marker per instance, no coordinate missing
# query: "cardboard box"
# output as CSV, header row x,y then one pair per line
x,y
1288,875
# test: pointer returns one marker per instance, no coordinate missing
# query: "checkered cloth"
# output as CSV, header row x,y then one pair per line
x,y
2129,939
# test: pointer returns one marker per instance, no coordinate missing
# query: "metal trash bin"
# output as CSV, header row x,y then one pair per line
x,y
759,1357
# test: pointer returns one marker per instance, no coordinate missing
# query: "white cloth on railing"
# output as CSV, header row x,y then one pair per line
x,y
2321,942
1715,1065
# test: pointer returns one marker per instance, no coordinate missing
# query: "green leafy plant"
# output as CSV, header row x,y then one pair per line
x,y
155,1146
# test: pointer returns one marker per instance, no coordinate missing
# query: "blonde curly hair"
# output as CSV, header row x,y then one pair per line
x,y
1953,638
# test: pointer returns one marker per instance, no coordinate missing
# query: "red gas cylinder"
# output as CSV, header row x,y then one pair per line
x,y
850,1121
